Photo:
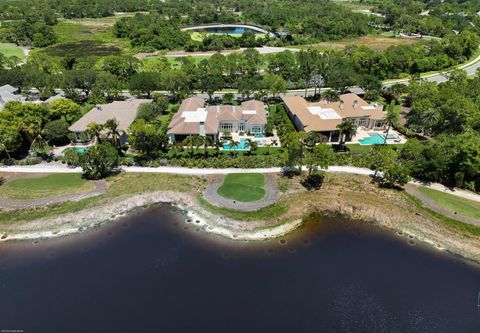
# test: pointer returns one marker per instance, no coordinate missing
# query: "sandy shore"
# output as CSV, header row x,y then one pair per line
x,y
80,221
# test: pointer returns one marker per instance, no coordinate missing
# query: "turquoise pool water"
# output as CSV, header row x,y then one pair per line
x,y
230,30
241,146
373,139
79,150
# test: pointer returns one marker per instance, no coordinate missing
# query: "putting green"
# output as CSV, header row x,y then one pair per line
x,y
244,187
45,186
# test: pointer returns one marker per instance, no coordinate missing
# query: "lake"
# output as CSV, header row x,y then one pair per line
x,y
147,273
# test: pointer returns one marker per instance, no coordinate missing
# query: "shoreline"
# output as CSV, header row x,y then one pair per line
x,y
194,214
72,223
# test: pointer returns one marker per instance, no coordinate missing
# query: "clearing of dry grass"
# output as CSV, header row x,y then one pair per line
x,y
376,43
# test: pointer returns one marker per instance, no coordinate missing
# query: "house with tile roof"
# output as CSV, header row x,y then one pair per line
x,y
124,112
323,117
194,117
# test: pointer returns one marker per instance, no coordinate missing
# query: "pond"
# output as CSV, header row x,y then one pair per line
x,y
230,30
154,272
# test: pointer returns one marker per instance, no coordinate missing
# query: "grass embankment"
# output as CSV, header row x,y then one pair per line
x,y
119,185
10,50
455,204
45,186
245,187
266,213
465,229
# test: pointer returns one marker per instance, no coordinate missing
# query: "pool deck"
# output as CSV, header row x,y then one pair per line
x,y
364,134
58,151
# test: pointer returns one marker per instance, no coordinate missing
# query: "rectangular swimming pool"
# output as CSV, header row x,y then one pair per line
x,y
373,139
242,146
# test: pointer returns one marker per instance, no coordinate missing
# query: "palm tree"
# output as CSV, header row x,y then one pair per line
x,y
112,126
174,149
331,96
347,129
429,121
233,145
392,119
94,131
267,146
35,135
217,144
190,141
311,140
252,144
206,141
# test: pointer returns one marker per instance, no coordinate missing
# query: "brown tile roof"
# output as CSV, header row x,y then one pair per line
x,y
349,106
255,114
124,112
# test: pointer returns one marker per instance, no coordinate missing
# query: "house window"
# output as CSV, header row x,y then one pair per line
x,y
226,127
257,129
241,127
363,122
378,123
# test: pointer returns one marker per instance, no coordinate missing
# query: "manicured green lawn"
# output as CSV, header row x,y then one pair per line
x,y
244,187
45,186
461,206
11,50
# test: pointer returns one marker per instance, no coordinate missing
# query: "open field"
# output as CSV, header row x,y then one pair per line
x,y
45,187
456,204
243,187
83,48
354,4
85,38
377,43
10,50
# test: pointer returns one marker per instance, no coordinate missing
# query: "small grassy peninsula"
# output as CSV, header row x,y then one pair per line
x,y
456,204
44,186
243,187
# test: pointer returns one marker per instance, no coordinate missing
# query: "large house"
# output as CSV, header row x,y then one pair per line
x,y
323,117
124,112
196,118
9,94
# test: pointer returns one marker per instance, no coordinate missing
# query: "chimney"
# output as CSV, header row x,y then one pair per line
x,y
342,104
355,102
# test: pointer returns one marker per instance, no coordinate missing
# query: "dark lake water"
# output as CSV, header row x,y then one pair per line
x,y
147,274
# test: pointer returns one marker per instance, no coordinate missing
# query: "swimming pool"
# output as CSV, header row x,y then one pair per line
x,y
230,30
242,146
78,150
373,139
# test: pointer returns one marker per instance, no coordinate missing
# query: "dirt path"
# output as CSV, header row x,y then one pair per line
x,y
272,195
413,190
100,186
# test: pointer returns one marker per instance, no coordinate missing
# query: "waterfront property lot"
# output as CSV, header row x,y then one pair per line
x,y
456,204
44,186
243,187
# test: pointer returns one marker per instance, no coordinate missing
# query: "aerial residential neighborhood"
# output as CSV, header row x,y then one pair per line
x,y
239,166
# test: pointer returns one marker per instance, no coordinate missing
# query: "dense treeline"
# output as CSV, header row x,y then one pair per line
x,y
101,78
449,114
436,18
